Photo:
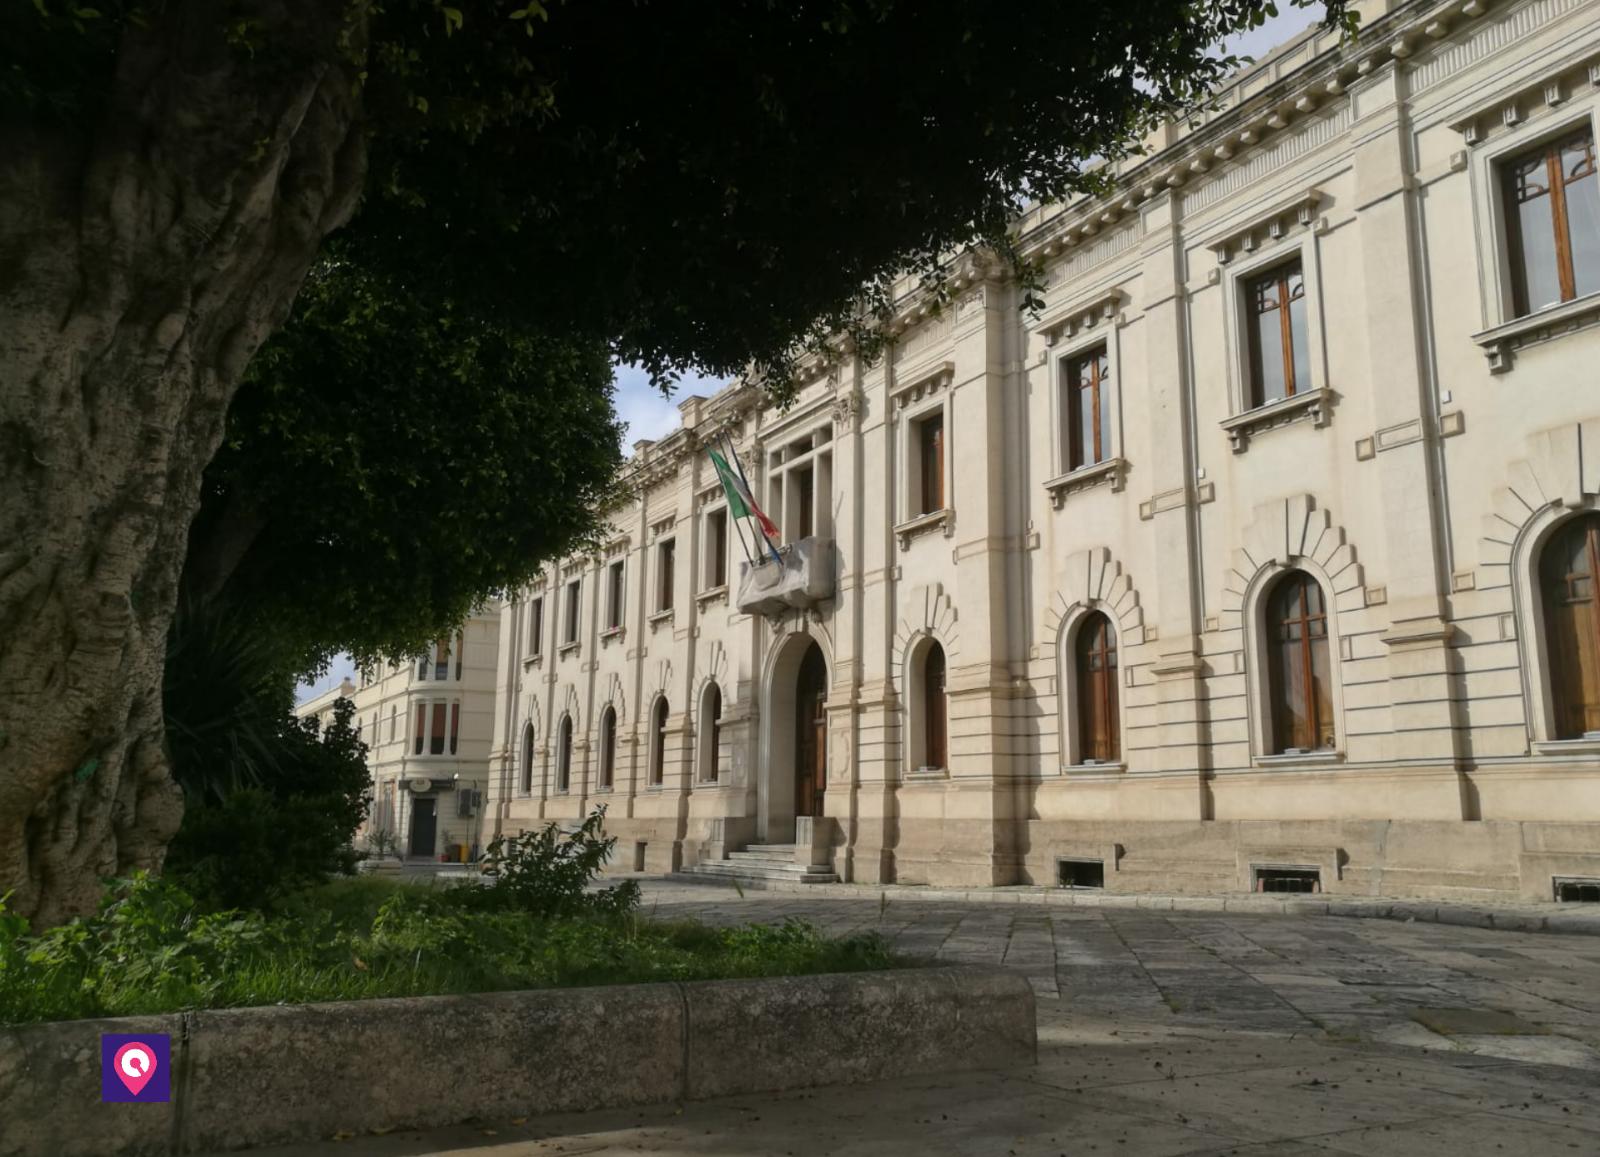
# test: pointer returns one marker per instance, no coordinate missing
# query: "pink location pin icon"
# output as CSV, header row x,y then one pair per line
x,y
134,1065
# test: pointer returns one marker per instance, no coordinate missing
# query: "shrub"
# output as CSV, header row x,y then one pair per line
x,y
548,873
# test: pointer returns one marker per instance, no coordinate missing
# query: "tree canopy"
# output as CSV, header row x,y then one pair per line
x,y
391,460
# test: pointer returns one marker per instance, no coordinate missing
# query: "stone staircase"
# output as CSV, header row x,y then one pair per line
x,y
762,862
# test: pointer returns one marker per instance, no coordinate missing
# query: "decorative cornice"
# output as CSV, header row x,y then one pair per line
x,y
1301,209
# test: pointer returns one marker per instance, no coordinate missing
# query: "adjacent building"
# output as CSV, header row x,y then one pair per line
x,y
427,725
1265,556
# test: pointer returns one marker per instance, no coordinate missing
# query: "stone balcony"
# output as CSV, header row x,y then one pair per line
x,y
801,577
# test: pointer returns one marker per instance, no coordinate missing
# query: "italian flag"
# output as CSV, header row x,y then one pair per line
x,y
741,504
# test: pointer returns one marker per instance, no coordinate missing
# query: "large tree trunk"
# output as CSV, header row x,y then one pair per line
x,y
142,261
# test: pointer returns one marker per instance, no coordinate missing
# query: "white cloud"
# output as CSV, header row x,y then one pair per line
x,y
645,412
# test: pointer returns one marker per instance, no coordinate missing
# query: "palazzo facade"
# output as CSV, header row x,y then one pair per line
x,y
1266,555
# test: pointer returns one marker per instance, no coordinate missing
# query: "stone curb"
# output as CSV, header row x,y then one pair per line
x,y
1554,918
263,1076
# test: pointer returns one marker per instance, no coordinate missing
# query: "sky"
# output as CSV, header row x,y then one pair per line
x,y
647,414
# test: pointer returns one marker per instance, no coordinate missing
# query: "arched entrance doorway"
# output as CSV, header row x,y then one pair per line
x,y
811,734
793,768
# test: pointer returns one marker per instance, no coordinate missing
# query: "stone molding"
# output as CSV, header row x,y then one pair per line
x,y
300,1073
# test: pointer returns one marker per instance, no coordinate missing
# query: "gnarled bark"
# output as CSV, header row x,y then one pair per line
x,y
142,261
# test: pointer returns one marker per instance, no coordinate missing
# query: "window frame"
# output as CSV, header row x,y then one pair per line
x,y
1263,751
525,777
1488,162
606,773
1298,243
915,697
572,613
666,574
1062,353
1531,632
536,627
656,745
616,595
565,745
1069,690
714,565
708,759
910,419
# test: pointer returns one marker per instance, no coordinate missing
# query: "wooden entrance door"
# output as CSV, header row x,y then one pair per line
x,y
424,826
811,734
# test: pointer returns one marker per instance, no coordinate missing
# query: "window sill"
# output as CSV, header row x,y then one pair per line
x,y
662,617
611,633
1502,341
1313,404
926,774
1300,759
711,594
567,649
923,523
1586,746
1110,767
1085,477
532,661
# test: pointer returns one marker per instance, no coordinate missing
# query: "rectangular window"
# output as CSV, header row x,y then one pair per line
x,y
422,729
536,628
665,574
441,659
455,726
614,594
716,549
805,502
436,739
574,591
461,652
1280,350
1086,405
930,463
1552,207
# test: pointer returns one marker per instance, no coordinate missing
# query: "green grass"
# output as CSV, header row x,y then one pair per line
x,y
149,951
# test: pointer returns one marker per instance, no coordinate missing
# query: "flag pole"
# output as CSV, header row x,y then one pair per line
x,y
739,466
739,529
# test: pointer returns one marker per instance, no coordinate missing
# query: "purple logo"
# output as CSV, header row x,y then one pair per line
x,y
135,1067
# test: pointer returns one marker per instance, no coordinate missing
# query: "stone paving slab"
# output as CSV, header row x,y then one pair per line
x,y
1162,1033
1573,919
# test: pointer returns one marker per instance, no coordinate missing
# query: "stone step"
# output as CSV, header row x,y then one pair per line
x,y
760,870
777,856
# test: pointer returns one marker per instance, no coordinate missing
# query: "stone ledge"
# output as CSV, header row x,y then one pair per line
x,y
259,1076
1569,919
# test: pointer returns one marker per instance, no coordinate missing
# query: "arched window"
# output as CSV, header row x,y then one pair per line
x,y
1569,568
935,714
1300,678
658,741
527,759
564,755
608,747
710,731
1099,723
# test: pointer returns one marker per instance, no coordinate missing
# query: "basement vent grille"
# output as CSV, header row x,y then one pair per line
x,y
1081,873
1571,890
1288,880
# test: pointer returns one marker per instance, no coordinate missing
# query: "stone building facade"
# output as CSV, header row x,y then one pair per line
x,y
1263,556
427,724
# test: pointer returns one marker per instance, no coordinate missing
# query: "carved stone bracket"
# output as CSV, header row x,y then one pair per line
x,y
944,520
1112,471
1315,405
1299,210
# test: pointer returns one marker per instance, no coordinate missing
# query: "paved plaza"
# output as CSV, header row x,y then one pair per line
x,y
1165,1033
